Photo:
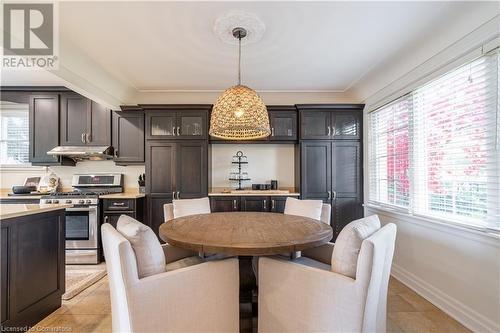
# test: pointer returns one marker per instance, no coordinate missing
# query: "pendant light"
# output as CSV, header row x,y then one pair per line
x,y
239,113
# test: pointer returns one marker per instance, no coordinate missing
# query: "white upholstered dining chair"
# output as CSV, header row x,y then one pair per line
x,y
346,293
185,207
186,297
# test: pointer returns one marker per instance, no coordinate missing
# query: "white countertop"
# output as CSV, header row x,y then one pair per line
x,y
123,195
227,192
8,211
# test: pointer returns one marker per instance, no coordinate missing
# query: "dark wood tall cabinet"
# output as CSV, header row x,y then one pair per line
x,y
176,156
331,165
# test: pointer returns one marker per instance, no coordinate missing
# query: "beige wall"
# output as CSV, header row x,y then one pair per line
x,y
265,162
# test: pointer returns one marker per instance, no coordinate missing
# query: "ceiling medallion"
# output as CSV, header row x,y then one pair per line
x,y
239,113
225,24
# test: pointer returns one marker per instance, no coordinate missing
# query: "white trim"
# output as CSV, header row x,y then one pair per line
x,y
159,90
444,227
456,309
27,168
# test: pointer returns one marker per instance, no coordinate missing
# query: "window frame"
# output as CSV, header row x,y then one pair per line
x,y
14,106
485,225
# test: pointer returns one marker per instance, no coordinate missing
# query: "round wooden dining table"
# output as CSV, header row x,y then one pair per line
x,y
245,233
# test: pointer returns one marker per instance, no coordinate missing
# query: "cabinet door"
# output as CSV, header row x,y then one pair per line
x,y
316,169
346,184
156,216
74,119
128,137
99,125
224,204
160,168
44,128
192,125
161,125
192,169
278,204
315,125
346,124
4,274
283,125
255,204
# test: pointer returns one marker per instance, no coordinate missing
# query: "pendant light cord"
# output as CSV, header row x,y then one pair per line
x,y
239,58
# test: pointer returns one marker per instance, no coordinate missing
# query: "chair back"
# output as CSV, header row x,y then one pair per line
x,y
326,212
122,272
326,209
168,212
373,271
186,207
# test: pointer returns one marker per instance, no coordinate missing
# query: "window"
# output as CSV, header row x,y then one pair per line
x,y
435,152
14,136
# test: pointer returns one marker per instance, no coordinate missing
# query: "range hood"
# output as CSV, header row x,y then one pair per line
x,y
79,153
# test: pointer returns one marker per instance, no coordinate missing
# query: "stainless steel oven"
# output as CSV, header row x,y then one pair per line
x,y
83,218
82,234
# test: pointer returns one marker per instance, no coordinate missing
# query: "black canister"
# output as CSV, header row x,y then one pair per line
x,y
274,184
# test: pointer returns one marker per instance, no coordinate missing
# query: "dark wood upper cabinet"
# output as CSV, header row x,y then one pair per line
x,y
283,122
99,125
128,137
173,122
315,125
323,122
84,122
74,118
43,128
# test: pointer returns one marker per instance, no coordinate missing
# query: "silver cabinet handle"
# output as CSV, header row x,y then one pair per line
x,y
272,204
88,137
272,131
173,195
118,203
334,195
329,195
265,204
106,218
178,130
83,137
329,131
173,130
234,205
178,194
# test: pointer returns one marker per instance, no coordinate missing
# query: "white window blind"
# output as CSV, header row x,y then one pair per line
x,y
445,160
14,136
390,153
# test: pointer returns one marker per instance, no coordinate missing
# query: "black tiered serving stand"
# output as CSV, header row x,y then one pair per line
x,y
239,155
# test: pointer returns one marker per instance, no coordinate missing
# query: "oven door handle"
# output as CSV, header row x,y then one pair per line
x,y
81,209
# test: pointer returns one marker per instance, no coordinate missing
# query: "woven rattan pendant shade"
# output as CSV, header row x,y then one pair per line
x,y
239,114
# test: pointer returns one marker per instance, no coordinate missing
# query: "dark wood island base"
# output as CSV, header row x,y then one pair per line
x,y
32,265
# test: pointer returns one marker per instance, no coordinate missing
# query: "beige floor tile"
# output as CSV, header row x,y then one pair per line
x,y
392,327
395,303
412,322
91,304
418,302
83,323
444,323
396,287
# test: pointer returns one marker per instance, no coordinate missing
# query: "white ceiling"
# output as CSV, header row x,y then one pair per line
x,y
307,46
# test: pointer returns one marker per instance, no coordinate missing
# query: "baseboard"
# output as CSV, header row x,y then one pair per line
x,y
459,311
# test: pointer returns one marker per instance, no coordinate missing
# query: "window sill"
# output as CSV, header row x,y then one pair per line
x,y
21,168
442,225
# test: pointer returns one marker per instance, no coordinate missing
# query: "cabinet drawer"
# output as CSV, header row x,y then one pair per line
x,y
119,204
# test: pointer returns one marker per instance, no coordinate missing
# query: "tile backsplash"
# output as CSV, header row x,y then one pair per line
x,y
10,177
